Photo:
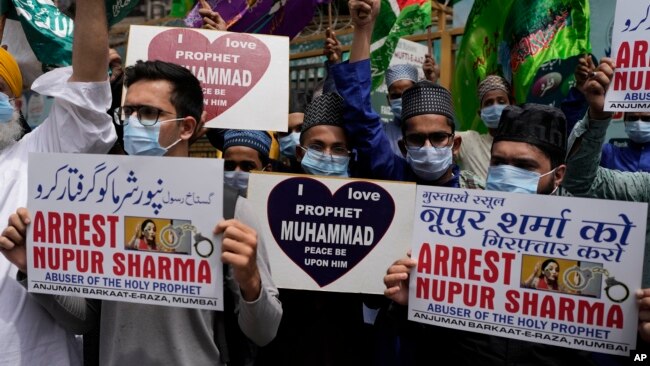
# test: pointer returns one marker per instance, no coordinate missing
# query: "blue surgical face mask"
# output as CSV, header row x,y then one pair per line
x,y
507,178
396,107
318,163
638,131
6,108
492,115
428,162
143,140
288,144
237,179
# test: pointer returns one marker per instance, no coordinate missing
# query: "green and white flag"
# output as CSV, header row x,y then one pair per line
x,y
396,19
49,31
537,52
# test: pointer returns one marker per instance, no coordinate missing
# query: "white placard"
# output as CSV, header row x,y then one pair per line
x,y
126,228
477,254
245,77
332,234
630,88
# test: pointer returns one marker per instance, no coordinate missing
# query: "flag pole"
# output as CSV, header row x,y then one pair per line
x,y
429,41
3,19
329,14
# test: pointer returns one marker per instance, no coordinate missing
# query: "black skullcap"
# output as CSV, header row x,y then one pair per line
x,y
537,124
326,109
297,101
426,97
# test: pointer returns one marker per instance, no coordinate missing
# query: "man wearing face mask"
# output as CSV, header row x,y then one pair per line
x,y
323,151
163,104
427,119
528,150
528,157
323,148
634,156
398,78
243,152
77,123
494,94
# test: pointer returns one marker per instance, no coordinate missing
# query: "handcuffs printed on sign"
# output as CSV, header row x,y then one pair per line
x,y
584,276
171,236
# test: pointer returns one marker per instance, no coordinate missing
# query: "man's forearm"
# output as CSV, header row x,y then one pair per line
x,y
90,45
361,43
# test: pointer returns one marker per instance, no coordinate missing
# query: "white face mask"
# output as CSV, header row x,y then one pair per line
x,y
429,163
237,179
508,178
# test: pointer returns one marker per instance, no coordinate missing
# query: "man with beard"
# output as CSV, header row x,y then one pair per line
x,y
78,122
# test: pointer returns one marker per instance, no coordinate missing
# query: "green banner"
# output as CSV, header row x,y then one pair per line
x,y
411,19
537,53
49,31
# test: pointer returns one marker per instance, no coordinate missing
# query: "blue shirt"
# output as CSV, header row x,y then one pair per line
x,y
626,156
363,126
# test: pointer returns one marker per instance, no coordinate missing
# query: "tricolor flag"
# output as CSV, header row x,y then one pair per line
x,y
396,19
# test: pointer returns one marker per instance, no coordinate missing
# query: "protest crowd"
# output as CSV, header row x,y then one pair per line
x,y
156,108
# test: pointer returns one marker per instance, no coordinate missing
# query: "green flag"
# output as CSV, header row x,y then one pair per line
x,y
396,19
49,31
537,53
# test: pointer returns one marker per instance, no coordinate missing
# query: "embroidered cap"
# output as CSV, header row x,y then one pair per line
x,y
493,82
426,97
401,72
258,140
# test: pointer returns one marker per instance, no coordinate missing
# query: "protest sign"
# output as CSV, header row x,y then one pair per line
x,y
630,89
555,270
126,229
245,77
332,234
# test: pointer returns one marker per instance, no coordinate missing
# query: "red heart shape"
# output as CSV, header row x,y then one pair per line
x,y
228,68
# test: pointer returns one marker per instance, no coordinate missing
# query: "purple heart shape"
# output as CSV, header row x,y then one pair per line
x,y
356,225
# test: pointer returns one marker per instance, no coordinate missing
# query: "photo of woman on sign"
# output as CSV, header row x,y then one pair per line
x,y
144,237
545,277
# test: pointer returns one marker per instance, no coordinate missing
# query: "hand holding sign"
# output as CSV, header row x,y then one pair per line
x,y
596,87
397,280
644,313
584,68
12,241
239,249
211,19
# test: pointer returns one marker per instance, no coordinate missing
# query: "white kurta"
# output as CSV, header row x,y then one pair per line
x,y
475,152
78,122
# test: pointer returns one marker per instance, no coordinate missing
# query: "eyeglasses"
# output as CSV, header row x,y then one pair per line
x,y
334,150
630,118
147,115
244,165
437,139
